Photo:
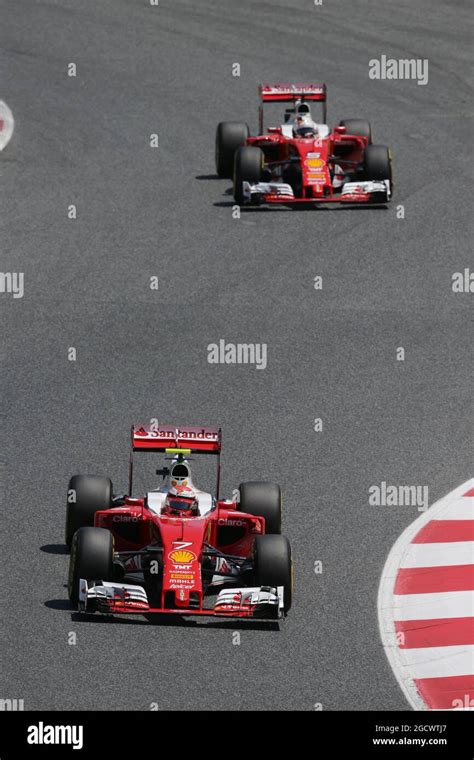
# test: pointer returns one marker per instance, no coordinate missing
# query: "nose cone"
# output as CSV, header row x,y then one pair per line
x,y
182,548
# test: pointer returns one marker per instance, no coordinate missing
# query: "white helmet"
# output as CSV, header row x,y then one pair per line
x,y
180,480
302,108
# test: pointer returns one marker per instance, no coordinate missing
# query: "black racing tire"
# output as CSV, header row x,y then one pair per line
x,y
358,127
377,163
273,565
248,166
262,499
90,493
92,557
230,136
293,176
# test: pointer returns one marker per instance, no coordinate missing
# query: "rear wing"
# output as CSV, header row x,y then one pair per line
x,y
288,93
196,439
187,439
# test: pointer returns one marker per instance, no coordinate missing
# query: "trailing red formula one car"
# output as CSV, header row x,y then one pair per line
x,y
178,549
302,160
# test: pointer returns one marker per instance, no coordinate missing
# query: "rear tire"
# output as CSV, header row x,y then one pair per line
x,y
377,163
273,565
92,492
92,555
358,127
230,136
262,499
248,166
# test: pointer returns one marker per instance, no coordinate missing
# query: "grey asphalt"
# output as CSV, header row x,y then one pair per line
x,y
144,212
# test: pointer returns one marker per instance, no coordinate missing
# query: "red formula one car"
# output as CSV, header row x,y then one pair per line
x,y
178,549
302,160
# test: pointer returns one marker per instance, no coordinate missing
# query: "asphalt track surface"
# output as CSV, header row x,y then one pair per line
x,y
140,353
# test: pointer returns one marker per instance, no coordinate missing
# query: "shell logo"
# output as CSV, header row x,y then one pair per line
x,y
182,556
315,163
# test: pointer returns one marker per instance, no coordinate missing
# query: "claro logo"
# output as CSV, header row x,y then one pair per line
x,y
231,523
125,518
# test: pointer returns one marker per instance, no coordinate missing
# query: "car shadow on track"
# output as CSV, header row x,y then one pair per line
x,y
304,208
58,604
54,549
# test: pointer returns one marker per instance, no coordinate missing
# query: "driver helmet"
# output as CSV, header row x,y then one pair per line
x,y
303,109
181,483
180,477
181,499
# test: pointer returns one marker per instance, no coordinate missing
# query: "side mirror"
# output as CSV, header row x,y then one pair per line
x,y
340,130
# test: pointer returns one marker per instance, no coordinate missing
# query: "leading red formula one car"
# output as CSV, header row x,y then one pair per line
x,y
302,160
177,549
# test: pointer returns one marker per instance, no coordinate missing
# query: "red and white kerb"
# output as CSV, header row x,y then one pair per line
x,y
426,605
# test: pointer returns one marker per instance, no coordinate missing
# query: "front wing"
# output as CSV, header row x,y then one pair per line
x,y
351,192
260,602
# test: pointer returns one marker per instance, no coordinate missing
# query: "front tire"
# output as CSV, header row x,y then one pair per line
x,y
89,493
377,163
230,136
293,176
273,565
262,499
92,556
248,166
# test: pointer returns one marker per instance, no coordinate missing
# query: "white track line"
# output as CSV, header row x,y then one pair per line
x,y
419,606
7,125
